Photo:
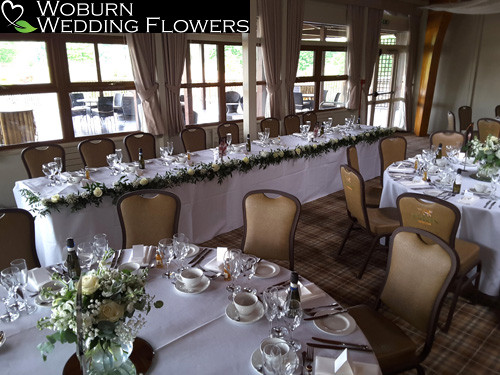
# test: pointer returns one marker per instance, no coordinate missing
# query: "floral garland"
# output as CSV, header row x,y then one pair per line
x,y
95,192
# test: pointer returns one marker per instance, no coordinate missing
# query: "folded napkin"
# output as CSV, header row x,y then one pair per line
x,y
142,254
361,368
324,365
309,292
416,183
400,169
214,265
37,277
468,199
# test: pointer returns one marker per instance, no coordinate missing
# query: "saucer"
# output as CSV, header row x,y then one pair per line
x,y
266,270
245,319
204,283
338,325
256,360
193,250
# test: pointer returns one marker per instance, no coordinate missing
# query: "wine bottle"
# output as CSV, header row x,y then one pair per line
x,y
142,164
457,184
249,143
72,262
293,293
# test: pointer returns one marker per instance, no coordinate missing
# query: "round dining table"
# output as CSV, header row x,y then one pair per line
x,y
196,332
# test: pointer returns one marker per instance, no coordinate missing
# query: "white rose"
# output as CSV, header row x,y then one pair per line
x,y
190,171
275,155
97,192
55,198
111,311
143,181
215,167
246,160
281,153
298,151
90,283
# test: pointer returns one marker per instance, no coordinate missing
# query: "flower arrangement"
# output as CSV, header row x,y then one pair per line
x,y
487,153
94,193
110,300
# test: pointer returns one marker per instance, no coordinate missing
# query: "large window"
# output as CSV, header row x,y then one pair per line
x,y
58,87
321,73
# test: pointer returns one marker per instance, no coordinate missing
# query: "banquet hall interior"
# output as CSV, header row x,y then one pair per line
x,y
359,71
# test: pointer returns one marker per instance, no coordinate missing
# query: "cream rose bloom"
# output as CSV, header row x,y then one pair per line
x,y
97,192
215,167
143,181
90,283
111,311
190,171
55,198
246,160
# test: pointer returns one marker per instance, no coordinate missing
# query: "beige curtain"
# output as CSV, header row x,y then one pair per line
x,y
270,15
174,47
355,27
295,18
410,69
143,57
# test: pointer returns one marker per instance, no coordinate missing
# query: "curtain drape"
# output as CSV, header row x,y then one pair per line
x,y
270,14
174,48
355,27
295,18
143,57
410,69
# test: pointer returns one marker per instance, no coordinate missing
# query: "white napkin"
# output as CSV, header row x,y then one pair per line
x,y
468,198
343,364
401,169
324,365
214,265
412,183
361,368
142,254
37,277
309,292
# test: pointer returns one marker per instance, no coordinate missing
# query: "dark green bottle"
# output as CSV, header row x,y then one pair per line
x,y
72,262
142,164
249,143
439,154
293,293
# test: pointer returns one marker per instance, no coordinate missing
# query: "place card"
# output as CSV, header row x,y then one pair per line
x,y
343,364
38,276
221,251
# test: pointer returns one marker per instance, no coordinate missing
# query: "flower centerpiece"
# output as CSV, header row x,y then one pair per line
x,y
113,306
487,153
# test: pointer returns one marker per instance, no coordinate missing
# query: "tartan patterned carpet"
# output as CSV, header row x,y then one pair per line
x,y
472,345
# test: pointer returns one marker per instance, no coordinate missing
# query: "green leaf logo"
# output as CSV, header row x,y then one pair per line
x,y
12,13
24,27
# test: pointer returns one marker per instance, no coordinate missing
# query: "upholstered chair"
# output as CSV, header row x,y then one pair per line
x,y
391,149
194,139
229,127
34,157
310,116
447,138
292,124
488,126
146,141
273,124
372,192
93,151
464,116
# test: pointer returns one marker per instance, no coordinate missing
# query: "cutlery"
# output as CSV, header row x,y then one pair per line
x,y
492,205
337,347
329,314
487,203
2,338
309,309
329,309
199,257
333,342
114,261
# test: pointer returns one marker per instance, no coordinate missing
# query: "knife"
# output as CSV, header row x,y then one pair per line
x,y
338,347
325,315
333,342
200,258
492,204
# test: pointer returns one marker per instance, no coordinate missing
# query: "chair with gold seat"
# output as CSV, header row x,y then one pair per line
x,y
270,220
34,157
146,216
372,192
447,138
17,237
377,222
420,269
146,141
194,139
229,127
273,124
391,149
497,111
93,151
292,124
442,218
488,126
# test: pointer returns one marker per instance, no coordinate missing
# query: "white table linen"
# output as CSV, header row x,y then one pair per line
x,y
478,224
190,334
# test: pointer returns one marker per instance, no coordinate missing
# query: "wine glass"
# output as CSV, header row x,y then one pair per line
x,y
23,282
267,133
232,266
181,247
119,160
100,243
111,159
85,252
293,316
304,129
280,297
166,247
9,279
229,140
249,265
169,146
49,169
58,169
494,175
270,306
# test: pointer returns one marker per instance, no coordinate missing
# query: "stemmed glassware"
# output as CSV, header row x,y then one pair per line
x,y
181,247
494,175
270,306
20,264
293,315
267,133
119,160
100,245
111,159
229,140
86,256
232,265
249,265
169,147
9,279
304,129
49,170
58,169
166,247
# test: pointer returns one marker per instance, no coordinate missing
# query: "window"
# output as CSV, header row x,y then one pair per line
x,y
212,84
70,86
322,73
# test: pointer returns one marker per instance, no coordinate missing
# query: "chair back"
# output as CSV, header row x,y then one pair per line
x,y
497,111
464,116
292,124
352,158
488,126
447,138
420,269
431,214
270,223
391,149
194,139
93,151
451,121
17,237
273,124
229,127
310,116
354,191
34,157
146,216
17,127
146,141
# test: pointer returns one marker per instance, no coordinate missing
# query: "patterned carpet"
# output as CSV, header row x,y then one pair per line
x,y
472,345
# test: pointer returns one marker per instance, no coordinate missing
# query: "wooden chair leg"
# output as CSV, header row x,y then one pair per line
x,y
372,247
345,237
476,283
454,301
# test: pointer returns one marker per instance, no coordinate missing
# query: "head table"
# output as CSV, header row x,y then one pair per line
x,y
208,207
479,216
190,334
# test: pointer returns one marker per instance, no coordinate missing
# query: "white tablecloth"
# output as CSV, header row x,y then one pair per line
x,y
190,334
207,208
478,224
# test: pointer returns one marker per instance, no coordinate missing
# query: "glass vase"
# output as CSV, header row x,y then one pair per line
x,y
110,359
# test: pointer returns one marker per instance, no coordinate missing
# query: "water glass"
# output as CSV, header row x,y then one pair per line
x,y
270,307
232,266
9,279
86,254
494,175
166,247
169,146
28,307
293,316
181,248
229,140
58,169
267,133
100,245
111,159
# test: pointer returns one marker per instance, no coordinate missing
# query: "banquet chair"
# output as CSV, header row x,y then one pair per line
x,y
488,126
310,116
464,116
17,127
372,192
270,220
146,216
194,139
17,237
420,268
34,157
447,138
377,222
451,121
229,127
442,219
292,124
497,111
93,151
391,149
273,124
146,141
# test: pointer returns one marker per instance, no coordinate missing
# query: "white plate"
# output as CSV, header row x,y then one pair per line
x,y
256,360
42,303
485,193
266,270
338,325
193,250
247,319
201,287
